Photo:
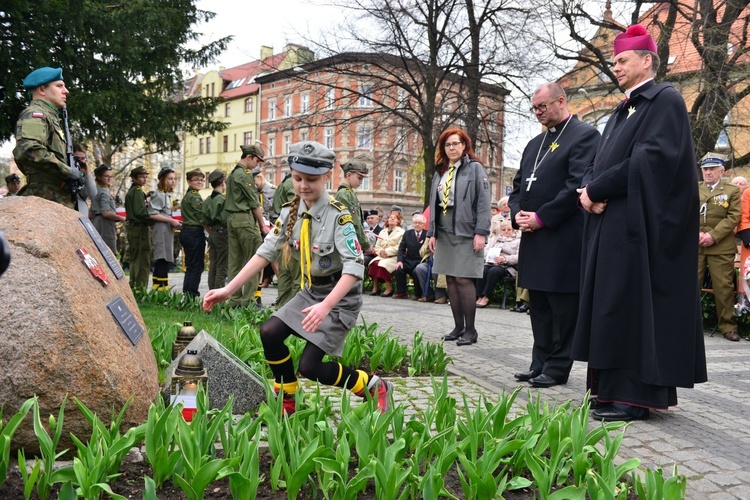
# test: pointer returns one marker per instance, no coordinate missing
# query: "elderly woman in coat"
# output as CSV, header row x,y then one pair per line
x,y
500,258
386,254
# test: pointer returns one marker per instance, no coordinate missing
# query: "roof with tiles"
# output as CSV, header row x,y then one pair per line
x,y
240,80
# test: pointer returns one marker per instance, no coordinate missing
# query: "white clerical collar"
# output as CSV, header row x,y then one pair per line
x,y
554,129
630,91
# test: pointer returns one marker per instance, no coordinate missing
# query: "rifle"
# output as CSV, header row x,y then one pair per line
x,y
75,181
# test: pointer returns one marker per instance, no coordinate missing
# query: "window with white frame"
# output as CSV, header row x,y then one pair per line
x,y
271,175
364,137
225,144
249,105
287,143
722,142
399,181
330,98
401,139
328,137
271,146
227,109
208,145
365,96
247,138
288,107
303,136
305,103
365,186
271,110
201,146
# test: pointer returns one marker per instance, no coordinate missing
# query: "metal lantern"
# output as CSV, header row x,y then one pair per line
x,y
185,335
186,377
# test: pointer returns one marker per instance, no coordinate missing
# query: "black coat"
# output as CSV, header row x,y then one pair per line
x,y
549,259
408,249
639,306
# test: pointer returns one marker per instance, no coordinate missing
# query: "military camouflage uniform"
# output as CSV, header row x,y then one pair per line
x,y
40,153
139,239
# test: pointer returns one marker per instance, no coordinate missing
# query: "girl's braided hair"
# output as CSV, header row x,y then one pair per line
x,y
286,252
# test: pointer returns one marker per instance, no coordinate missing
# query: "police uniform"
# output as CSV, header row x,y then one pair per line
x,y
719,214
324,240
192,237
138,223
243,230
215,218
40,151
348,197
103,202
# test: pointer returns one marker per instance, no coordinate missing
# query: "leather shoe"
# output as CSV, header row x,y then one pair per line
x,y
375,294
454,335
468,339
543,381
520,308
733,336
595,404
612,413
429,298
525,376
390,294
401,296
441,300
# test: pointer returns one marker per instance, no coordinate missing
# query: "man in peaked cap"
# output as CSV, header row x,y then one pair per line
x,y
244,222
40,140
355,172
719,213
137,224
639,323
13,183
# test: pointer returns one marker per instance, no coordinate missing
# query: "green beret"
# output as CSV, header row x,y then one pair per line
x,y
215,176
252,149
42,76
195,173
356,166
138,171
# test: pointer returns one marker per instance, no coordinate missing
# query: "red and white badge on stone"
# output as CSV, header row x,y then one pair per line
x,y
93,266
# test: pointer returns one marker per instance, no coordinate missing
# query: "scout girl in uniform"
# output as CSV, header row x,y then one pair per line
x,y
162,235
320,233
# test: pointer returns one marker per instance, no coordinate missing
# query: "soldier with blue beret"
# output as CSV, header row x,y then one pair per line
x,y
40,141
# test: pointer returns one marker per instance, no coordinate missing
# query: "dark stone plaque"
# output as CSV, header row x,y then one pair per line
x,y
112,262
125,319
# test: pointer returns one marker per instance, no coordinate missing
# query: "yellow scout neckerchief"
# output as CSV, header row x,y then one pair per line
x,y
305,255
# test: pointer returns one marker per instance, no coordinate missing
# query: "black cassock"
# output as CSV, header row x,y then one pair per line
x,y
639,323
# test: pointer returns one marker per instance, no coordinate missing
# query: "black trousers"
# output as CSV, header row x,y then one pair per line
x,y
193,243
553,321
400,275
491,277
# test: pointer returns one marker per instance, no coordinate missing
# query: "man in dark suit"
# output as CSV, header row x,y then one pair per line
x,y
543,204
409,257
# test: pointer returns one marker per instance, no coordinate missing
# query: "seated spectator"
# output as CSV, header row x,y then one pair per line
x,y
386,251
436,291
409,257
500,257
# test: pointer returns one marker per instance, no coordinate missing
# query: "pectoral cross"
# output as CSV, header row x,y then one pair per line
x,y
529,181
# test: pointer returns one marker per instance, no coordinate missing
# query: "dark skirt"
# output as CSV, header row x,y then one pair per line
x,y
375,271
624,386
455,255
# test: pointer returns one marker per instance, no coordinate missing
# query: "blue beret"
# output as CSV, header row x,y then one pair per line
x,y
42,76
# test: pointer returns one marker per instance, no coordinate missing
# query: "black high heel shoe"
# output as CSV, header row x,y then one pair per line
x,y
468,338
454,335
388,294
375,294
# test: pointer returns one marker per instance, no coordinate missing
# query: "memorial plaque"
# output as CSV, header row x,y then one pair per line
x,y
112,262
125,319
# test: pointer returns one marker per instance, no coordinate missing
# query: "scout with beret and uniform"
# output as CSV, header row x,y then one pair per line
x,y
288,272
266,191
244,222
320,233
719,214
354,172
137,224
13,183
192,238
160,209
40,151
638,255
215,220
104,209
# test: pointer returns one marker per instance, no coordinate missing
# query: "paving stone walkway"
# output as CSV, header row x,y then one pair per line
x,y
707,435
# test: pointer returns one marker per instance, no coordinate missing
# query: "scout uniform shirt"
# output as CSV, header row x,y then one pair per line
x,y
242,195
214,215
191,209
333,240
346,195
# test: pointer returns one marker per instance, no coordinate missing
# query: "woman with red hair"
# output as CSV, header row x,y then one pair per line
x,y
459,225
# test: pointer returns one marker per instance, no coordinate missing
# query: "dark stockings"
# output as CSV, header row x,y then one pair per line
x,y
462,296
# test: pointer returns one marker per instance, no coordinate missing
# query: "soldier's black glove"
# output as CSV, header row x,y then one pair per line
x,y
73,183
745,237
